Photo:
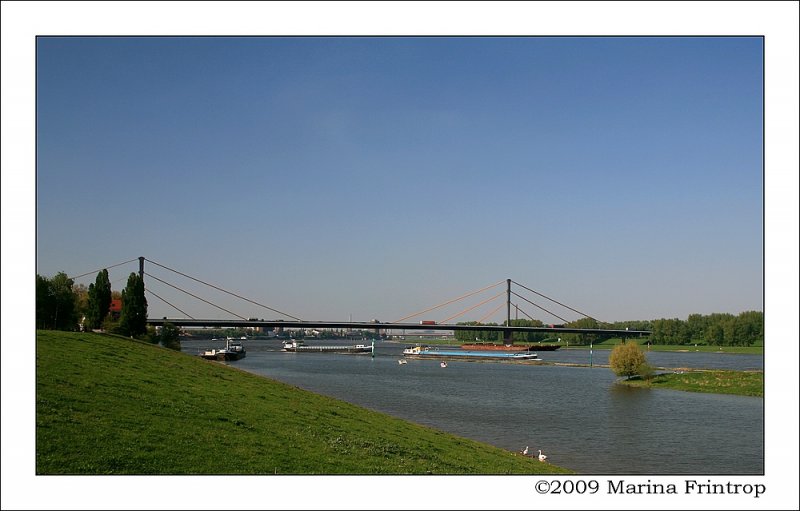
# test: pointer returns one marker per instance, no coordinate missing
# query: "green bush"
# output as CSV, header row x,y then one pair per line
x,y
628,360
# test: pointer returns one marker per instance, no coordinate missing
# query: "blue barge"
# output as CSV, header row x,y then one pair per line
x,y
429,352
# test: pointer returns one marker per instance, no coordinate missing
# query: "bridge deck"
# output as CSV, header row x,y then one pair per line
x,y
234,323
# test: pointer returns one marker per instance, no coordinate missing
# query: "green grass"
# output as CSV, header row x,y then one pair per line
x,y
685,348
742,383
111,405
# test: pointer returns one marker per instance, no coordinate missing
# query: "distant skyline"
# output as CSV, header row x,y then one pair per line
x,y
376,176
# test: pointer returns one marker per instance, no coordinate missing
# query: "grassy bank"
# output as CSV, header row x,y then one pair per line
x,y
680,348
742,383
110,405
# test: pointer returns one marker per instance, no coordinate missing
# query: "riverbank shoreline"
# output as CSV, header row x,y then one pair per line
x,y
739,383
111,405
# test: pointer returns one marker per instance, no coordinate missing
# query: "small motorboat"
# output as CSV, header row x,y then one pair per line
x,y
402,361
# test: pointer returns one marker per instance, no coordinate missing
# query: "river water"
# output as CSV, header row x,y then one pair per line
x,y
579,416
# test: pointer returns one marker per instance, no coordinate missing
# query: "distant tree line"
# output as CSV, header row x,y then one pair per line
x,y
718,329
744,329
497,336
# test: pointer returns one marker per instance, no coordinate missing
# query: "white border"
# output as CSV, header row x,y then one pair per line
x,y
22,21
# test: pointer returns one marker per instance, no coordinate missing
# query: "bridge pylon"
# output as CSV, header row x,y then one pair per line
x,y
507,333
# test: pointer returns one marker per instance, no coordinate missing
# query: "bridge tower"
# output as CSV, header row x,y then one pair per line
x,y
141,268
507,333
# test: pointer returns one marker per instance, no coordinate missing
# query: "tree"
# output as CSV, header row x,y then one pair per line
x,y
585,323
628,359
99,300
45,303
133,319
170,337
55,303
81,299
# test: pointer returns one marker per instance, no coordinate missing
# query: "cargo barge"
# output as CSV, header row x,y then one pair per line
x,y
429,352
299,346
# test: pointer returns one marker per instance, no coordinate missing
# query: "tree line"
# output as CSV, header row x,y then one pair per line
x,y
61,305
717,329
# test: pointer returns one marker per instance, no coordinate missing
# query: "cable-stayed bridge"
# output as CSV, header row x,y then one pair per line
x,y
508,298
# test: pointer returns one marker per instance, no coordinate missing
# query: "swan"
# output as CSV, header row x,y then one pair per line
x,y
525,451
542,457
443,364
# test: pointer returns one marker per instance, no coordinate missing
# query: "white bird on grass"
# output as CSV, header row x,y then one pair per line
x,y
542,457
525,452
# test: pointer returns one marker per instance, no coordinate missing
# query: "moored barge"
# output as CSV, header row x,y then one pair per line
x,y
299,346
233,350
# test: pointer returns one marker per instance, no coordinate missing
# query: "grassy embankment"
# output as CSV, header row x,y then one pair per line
x,y
742,383
110,405
681,348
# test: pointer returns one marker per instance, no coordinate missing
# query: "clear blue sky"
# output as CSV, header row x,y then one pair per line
x,y
374,177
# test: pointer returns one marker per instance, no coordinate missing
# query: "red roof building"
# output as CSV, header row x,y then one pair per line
x,y
115,308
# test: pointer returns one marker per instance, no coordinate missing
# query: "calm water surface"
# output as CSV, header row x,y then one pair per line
x,y
578,416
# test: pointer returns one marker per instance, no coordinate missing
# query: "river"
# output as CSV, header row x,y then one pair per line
x,y
579,416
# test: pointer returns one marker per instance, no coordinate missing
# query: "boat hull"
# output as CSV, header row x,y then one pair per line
x,y
471,355
220,355
330,349
232,356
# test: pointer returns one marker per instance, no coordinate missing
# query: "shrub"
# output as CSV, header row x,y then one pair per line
x,y
628,360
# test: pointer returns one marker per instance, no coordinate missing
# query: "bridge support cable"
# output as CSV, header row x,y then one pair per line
x,y
195,296
555,301
498,295
540,307
448,302
101,269
491,313
522,311
163,300
224,291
